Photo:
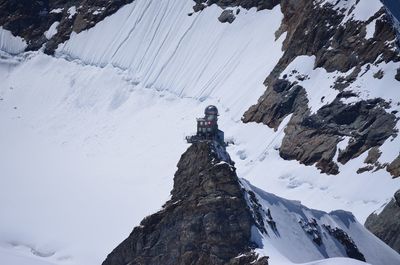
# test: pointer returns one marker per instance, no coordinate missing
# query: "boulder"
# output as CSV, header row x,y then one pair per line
x,y
394,167
227,16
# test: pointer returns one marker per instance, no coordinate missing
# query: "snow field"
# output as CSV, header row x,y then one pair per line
x,y
290,241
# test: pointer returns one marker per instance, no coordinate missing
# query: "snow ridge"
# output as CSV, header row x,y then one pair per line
x,y
304,235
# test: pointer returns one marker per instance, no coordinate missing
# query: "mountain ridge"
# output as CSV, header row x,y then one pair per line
x,y
213,217
206,221
125,91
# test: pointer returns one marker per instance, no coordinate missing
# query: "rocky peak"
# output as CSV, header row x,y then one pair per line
x,y
386,224
207,220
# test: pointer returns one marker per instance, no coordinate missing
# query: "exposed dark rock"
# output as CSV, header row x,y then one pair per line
x,y
30,19
207,220
397,197
397,77
283,99
367,123
351,248
309,147
199,7
373,155
312,229
394,167
365,169
372,161
379,74
257,210
227,16
312,139
259,4
386,225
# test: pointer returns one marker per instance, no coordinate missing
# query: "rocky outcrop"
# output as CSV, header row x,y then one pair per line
x,y
372,161
31,19
350,247
313,138
259,4
226,16
386,224
312,229
394,167
207,220
397,197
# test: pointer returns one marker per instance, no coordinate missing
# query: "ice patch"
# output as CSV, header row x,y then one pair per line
x,y
11,44
52,30
71,12
370,29
57,10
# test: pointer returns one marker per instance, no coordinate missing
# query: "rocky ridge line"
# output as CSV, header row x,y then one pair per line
x,y
386,224
207,220
313,138
31,19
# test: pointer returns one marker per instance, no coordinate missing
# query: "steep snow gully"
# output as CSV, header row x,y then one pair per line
x,y
90,137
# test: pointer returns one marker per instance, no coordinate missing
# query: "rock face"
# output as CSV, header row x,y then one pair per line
x,y
226,16
312,138
386,225
31,19
207,220
397,197
394,167
351,248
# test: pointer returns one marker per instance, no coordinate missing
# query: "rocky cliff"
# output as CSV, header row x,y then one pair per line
x,y
341,46
33,19
386,224
206,221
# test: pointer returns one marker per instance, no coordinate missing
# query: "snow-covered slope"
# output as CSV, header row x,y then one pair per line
x,y
162,48
301,234
85,138
11,44
12,258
